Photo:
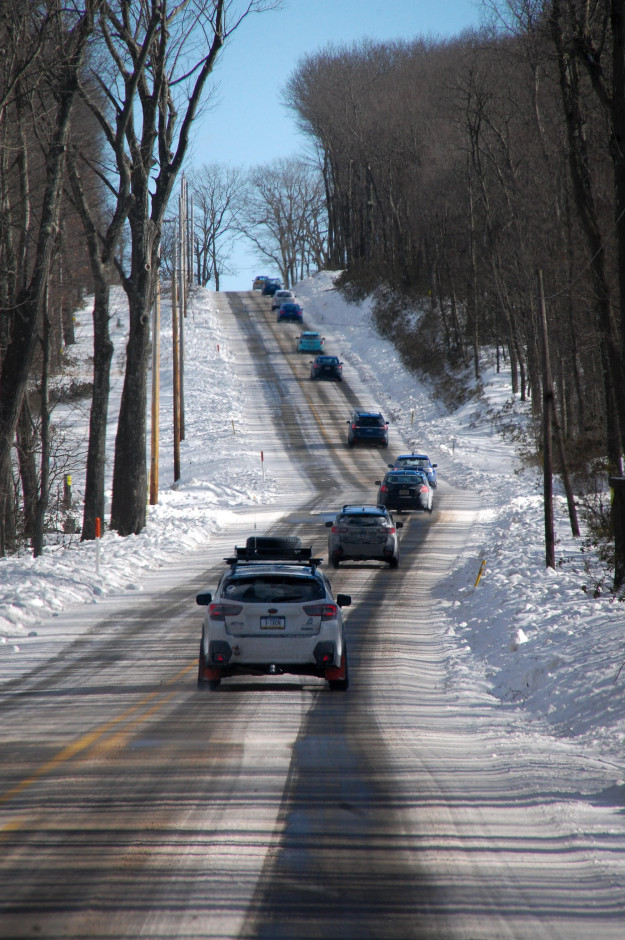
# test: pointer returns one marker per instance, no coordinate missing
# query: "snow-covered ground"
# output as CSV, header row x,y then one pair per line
x,y
528,636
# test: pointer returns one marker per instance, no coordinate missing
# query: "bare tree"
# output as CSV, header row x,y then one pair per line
x,y
284,216
55,37
171,49
218,198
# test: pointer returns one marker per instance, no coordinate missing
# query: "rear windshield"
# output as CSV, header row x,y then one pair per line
x,y
416,462
364,520
413,478
371,421
274,589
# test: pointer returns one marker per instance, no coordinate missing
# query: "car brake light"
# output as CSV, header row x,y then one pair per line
x,y
392,530
221,611
325,611
383,489
424,489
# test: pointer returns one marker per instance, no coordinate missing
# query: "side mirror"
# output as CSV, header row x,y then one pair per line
x,y
328,525
390,465
435,465
344,600
378,482
204,598
399,525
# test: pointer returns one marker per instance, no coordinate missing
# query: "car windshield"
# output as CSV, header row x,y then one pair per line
x,y
371,421
364,519
274,589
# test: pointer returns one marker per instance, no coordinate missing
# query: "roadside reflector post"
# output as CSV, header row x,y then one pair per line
x,y
412,418
97,544
480,573
67,491
233,430
262,463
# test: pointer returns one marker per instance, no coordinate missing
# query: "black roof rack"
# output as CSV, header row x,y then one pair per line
x,y
292,556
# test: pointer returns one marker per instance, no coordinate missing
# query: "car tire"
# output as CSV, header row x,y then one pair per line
x,y
202,682
341,685
335,561
213,684
273,543
393,562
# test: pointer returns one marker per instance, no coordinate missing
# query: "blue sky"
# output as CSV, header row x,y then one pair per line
x,y
246,123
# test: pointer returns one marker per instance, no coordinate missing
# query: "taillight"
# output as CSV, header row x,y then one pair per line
x,y
384,488
324,611
391,530
424,489
221,611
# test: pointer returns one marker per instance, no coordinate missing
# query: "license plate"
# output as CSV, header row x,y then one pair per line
x,y
272,623
404,492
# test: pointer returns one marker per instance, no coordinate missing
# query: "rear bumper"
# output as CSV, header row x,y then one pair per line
x,y
304,655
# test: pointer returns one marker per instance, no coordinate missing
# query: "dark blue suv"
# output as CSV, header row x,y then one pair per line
x,y
272,284
367,426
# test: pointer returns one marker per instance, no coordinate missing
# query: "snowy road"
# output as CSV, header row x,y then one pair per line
x,y
134,805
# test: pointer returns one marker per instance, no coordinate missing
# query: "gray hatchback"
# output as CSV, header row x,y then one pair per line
x,y
362,533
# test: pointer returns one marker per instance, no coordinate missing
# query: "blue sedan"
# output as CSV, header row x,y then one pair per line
x,y
290,311
310,342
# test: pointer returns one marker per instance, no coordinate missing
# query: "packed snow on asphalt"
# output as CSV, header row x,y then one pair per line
x,y
532,641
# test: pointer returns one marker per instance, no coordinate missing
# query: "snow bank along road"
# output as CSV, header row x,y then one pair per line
x,y
134,805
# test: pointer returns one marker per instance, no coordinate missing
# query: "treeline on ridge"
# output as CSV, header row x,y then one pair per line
x,y
453,172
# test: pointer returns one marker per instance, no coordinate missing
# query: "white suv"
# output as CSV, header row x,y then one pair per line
x,y
273,612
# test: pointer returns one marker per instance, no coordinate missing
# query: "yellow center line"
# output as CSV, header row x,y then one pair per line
x,y
88,740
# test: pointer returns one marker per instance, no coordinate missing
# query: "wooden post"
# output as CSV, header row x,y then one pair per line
x,y
618,524
156,380
550,557
176,376
182,301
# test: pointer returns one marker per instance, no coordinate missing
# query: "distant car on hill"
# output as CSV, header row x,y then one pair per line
x,y
405,489
326,367
282,297
290,311
272,284
368,427
417,462
310,341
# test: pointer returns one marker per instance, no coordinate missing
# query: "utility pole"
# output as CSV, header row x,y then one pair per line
x,y
176,363
182,291
156,380
550,558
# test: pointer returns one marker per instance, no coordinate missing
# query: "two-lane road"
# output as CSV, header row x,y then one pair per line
x,y
134,805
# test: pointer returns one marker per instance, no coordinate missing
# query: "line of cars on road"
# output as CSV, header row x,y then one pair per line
x,y
323,366
274,612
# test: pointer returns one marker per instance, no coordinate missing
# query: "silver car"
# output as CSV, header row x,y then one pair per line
x,y
282,297
273,612
362,533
